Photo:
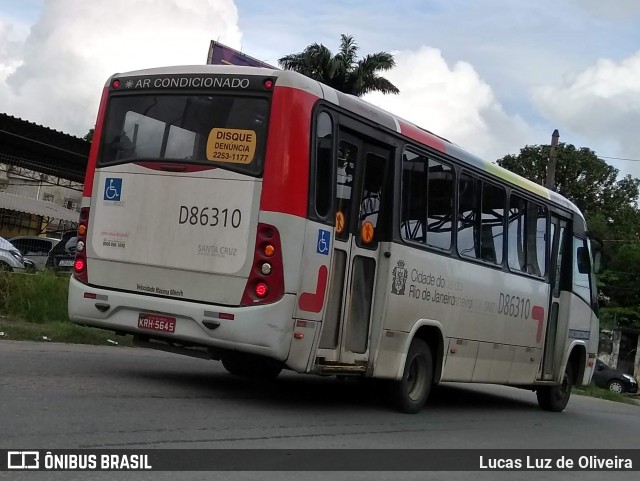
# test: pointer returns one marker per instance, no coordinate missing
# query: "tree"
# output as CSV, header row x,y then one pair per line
x,y
611,210
343,71
89,136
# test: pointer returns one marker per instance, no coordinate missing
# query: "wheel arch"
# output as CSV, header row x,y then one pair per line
x,y
430,331
577,361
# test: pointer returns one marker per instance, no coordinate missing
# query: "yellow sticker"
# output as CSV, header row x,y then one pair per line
x,y
235,146
366,232
339,222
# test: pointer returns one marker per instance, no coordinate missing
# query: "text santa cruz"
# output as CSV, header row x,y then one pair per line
x,y
187,82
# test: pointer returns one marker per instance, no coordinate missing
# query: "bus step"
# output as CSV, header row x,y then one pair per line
x,y
342,369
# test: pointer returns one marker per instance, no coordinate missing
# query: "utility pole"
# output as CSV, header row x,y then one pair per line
x,y
551,168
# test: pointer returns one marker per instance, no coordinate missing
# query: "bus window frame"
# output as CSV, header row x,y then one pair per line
x,y
312,212
262,146
400,171
505,189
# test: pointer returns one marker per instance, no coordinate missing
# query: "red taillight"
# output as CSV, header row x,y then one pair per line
x,y
116,84
261,290
266,279
80,264
268,84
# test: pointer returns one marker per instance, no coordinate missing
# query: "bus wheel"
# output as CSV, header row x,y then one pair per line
x,y
250,367
410,393
555,398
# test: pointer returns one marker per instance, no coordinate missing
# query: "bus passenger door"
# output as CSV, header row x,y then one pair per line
x,y
362,174
555,333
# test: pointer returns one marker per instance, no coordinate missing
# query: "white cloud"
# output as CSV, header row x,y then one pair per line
x,y
56,76
453,102
602,103
9,50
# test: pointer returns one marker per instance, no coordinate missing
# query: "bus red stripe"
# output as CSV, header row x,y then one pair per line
x,y
286,171
95,145
422,136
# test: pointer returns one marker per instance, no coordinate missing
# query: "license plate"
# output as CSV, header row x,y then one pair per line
x,y
66,263
155,322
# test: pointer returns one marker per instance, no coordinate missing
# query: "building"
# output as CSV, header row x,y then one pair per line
x,y
41,175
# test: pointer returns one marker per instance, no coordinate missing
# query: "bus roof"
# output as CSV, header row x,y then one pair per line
x,y
360,107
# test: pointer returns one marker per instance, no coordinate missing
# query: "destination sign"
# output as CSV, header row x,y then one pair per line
x,y
192,81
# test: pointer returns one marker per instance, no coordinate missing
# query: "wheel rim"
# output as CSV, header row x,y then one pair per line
x,y
416,378
615,387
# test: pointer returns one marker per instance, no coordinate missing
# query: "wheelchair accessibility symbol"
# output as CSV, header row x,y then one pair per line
x,y
324,240
112,188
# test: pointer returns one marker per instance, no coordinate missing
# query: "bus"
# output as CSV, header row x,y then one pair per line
x,y
260,218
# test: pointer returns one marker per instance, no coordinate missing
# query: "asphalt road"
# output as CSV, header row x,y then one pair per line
x,y
55,396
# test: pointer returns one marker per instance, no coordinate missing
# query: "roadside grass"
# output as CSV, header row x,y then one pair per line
x,y
33,307
594,391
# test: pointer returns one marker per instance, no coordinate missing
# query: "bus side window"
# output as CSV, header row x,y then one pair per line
x,y
414,197
347,156
527,236
427,201
323,197
481,207
441,193
581,269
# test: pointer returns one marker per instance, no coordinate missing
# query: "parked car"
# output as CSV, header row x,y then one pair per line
x,y
10,258
30,266
63,255
35,248
608,378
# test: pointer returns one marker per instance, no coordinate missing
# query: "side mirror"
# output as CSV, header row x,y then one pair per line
x,y
583,260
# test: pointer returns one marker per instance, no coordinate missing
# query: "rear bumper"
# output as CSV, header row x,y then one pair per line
x,y
264,330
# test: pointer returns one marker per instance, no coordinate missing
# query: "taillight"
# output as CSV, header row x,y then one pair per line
x,y
266,279
261,290
80,264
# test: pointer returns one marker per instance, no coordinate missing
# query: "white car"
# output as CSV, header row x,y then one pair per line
x,y
35,248
10,258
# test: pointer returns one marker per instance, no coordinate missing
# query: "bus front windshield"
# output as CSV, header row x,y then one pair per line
x,y
228,131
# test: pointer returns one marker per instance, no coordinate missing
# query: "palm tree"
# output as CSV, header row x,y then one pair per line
x,y
343,71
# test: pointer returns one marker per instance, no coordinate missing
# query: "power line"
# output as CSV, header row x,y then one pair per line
x,y
618,158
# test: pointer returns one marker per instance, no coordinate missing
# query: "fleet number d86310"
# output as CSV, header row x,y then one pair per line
x,y
210,216
514,306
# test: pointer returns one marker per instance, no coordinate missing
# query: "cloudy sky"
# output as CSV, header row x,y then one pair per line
x,y
489,75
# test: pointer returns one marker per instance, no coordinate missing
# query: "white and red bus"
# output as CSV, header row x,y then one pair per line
x,y
260,218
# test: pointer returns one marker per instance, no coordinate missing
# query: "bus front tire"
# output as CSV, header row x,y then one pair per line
x,y
555,398
250,367
410,393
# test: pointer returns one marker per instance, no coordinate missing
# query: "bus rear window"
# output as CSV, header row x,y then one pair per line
x,y
225,130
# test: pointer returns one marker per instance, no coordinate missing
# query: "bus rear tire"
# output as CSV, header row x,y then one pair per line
x,y
410,393
255,368
556,398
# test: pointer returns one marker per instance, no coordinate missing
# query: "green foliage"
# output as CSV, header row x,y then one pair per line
x,y
615,317
593,391
343,71
35,298
89,136
35,306
59,331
